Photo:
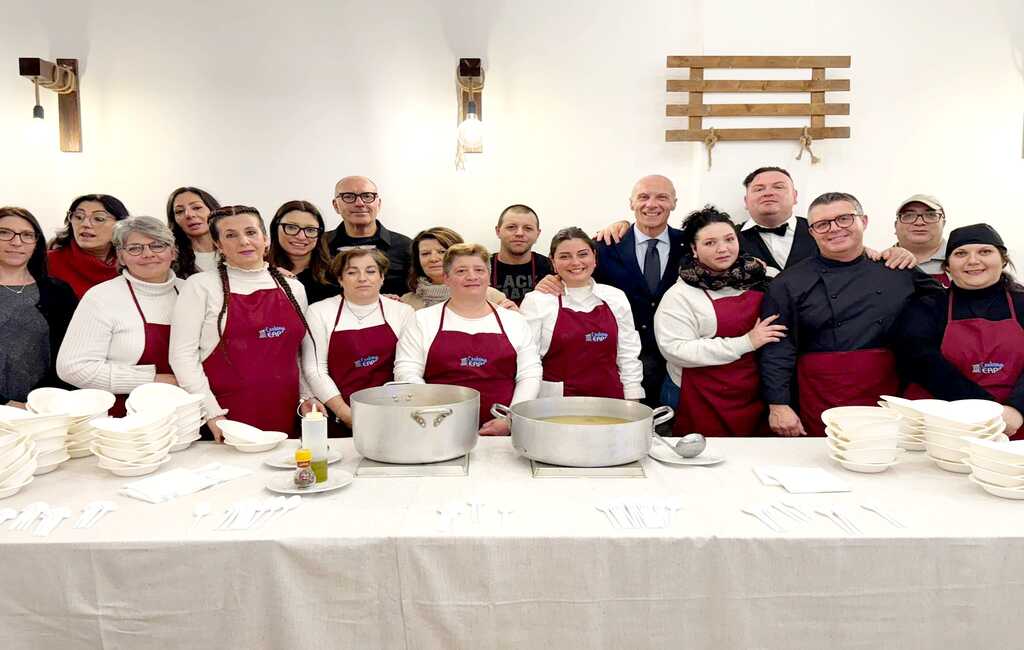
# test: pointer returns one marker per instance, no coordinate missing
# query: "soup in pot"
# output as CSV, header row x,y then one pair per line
x,y
584,419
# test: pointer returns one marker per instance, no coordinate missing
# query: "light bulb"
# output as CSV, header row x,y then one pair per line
x,y
471,132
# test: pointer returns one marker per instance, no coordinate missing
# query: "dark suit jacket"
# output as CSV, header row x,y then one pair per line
x,y
804,245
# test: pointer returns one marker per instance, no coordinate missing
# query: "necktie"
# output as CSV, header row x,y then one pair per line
x,y
652,265
780,230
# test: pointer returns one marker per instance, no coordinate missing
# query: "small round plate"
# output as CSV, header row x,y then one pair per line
x,y
285,483
286,460
11,491
997,490
950,466
662,454
863,468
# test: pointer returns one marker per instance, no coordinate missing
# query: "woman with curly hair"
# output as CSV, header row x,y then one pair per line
x,y
82,254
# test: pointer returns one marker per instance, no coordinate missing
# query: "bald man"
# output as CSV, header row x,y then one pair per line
x,y
357,203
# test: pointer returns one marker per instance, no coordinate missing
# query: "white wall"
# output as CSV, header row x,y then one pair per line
x,y
266,102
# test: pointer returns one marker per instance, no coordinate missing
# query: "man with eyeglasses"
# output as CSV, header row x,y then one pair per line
x,y
357,203
839,307
920,221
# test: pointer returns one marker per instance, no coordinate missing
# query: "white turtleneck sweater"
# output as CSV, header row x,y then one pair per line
x,y
321,317
541,312
194,333
106,336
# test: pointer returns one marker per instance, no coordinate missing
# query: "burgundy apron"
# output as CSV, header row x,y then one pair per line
x,y
943,279
363,358
154,353
253,371
585,337
988,352
855,378
725,400
485,362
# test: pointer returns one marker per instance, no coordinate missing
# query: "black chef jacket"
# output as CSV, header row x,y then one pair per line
x,y
395,245
919,334
831,306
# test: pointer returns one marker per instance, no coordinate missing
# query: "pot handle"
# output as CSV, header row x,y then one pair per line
x,y
662,414
440,411
501,411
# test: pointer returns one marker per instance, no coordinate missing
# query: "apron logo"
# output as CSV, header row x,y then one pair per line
x,y
272,332
596,337
472,362
987,368
366,362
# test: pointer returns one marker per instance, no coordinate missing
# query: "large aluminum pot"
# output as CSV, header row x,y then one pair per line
x,y
415,423
582,445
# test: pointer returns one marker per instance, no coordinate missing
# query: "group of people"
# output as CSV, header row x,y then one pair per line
x,y
749,329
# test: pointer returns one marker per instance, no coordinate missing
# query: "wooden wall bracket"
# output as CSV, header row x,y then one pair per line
x,y
69,116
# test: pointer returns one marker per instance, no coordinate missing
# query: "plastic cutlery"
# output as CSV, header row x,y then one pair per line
x,y
7,514
503,514
229,513
609,516
88,511
271,506
474,507
291,503
767,522
201,510
262,511
831,516
28,516
105,507
845,518
889,518
54,519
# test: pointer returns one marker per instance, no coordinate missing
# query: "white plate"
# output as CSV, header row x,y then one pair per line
x,y
184,444
138,470
995,490
242,433
49,467
285,483
863,468
661,453
79,453
263,446
949,466
286,460
911,444
11,491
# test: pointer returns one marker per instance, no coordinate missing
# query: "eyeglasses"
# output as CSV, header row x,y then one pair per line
x,y
156,248
292,229
350,197
910,218
97,218
843,221
27,236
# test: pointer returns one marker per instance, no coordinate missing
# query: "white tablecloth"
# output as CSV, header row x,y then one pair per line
x,y
370,566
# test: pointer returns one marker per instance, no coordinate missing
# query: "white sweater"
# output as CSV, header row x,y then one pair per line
x,y
414,344
685,326
106,336
194,325
321,317
541,312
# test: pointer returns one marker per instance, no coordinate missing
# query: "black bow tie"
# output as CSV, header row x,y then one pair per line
x,y
780,230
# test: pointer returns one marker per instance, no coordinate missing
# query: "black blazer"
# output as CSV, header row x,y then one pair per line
x,y
617,265
804,245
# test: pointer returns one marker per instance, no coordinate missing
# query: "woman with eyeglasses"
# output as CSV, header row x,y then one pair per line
x,y
354,335
35,309
299,248
919,223
426,273
82,253
968,343
588,322
236,332
118,338
188,214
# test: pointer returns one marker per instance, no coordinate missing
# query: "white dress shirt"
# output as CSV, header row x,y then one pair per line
x,y
664,246
415,342
320,317
778,246
541,312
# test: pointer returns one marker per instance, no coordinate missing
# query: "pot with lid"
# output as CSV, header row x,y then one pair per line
x,y
415,423
582,431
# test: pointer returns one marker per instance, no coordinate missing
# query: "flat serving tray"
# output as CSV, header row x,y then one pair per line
x,y
629,470
454,467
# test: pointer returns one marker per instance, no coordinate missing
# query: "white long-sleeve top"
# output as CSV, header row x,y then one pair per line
x,y
106,335
541,312
194,332
320,317
685,326
415,342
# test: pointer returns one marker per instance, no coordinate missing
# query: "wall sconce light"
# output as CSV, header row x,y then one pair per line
x,y
470,79
62,78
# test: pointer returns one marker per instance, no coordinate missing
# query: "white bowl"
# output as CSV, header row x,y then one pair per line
x,y
854,416
861,428
156,394
263,446
148,454
11,491
16,454
21,474
50,444
997,490
873,456
864,468
182,445
942,452
136,470
43,400
951,466
996,478
10,441
911,444
242,432
1006,452
138,437
46,468
87,402
136,422
901,405
839,440
79,452
107,461
147,439
51,456
22,421
977,412
994,465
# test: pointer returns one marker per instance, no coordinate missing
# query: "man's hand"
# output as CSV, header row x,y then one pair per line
x,y
495,427
895,257
551,285
508,304
784,421
1013,420
613,233
214,425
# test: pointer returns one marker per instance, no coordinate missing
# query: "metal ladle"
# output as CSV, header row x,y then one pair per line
x,y
689,446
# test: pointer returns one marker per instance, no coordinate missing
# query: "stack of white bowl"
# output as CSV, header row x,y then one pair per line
x,y
188,409
244,437
82,406
863,438
948,426
18,462
912,424
137,444
998,467
48,433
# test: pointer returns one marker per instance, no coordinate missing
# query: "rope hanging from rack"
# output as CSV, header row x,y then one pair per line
x,y
805,144
64,80
710,142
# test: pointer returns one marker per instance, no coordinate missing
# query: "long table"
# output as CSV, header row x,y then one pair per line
x,y
374,566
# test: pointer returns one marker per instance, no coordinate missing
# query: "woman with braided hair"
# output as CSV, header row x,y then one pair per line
x,y
237,331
